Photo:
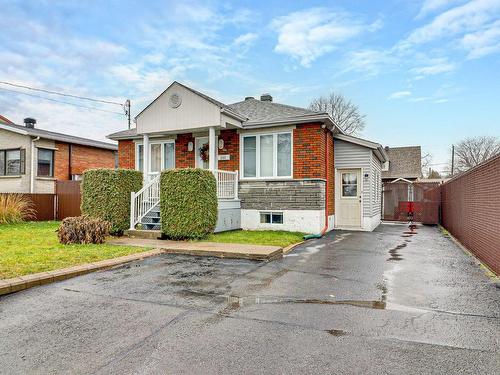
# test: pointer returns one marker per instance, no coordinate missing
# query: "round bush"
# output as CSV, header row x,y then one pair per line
x,y
106,195
188,203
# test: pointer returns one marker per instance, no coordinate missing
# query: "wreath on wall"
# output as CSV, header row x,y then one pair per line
x,y
204,152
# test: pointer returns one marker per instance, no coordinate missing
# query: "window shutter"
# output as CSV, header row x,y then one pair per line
x,y
23,161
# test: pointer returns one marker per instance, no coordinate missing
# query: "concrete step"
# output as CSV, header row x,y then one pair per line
x,y
136,233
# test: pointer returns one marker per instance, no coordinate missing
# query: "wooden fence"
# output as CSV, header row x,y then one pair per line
x,y
65,203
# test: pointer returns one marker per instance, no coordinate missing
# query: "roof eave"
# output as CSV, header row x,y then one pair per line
x,y
323,118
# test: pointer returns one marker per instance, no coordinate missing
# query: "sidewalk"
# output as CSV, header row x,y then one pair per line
x,y
221,250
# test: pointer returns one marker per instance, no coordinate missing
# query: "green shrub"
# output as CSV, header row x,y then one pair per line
x,y
188,201
15,208
106,195
83,230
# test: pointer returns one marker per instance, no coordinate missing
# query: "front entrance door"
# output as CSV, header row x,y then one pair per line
x,y
201,142
349,198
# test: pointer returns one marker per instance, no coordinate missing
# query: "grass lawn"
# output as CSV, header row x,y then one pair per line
x,y
258,237
32,247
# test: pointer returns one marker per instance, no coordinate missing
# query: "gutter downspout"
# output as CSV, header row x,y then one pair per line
x,y
32,169
325,228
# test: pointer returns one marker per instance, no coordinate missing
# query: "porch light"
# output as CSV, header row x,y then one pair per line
x,y
221,144
190,146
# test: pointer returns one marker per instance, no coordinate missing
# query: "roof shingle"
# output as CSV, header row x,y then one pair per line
x,y
404,162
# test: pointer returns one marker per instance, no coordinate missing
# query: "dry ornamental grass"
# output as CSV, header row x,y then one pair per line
x,y
15,208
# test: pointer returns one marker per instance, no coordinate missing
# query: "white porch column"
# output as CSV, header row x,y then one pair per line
x,y
212,147
145,158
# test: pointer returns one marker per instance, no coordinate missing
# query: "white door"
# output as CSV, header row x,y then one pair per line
x,y
201,142
349,198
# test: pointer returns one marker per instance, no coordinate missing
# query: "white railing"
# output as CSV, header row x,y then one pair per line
x,y
227,184
144,201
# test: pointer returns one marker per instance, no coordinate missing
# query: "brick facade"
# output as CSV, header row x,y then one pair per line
x,y
308,151
126,154
75,159
183,157
470,206
61,162
231,147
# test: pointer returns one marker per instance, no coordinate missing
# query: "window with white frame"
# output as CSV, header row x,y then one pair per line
x,y
267,155
161,156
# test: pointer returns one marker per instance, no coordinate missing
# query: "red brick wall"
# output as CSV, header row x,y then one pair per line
x,y
309,148
183,157
84,157
330,174
308,151
470,211
231,147
61,162
126,154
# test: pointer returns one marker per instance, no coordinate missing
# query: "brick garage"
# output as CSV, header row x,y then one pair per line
x,y
470,211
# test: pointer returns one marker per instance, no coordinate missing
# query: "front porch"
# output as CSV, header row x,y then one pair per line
x,y
145,204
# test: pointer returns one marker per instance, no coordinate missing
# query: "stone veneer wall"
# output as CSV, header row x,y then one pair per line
x,y
282,195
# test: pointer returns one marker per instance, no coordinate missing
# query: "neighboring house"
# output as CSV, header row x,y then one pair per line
x,y
31,159
404,162
5,121
277,167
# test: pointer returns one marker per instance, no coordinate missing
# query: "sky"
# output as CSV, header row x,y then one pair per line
x,y
424,72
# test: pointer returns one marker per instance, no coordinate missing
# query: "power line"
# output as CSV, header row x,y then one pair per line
x,y
60,93
62,102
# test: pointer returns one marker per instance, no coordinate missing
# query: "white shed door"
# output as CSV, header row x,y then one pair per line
x,y
349,198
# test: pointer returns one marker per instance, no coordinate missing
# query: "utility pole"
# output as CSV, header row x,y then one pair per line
x,y
452,159
126,107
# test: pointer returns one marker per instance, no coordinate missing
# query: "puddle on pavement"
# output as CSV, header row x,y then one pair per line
x,y
394,253
266,300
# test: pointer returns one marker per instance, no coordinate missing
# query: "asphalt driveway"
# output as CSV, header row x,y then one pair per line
x,y
381,302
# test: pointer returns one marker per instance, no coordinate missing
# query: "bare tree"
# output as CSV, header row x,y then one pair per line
x,y
425,162
472,151
433,174
344,113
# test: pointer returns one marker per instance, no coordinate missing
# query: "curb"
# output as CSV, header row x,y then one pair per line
x,y
17,284
289,248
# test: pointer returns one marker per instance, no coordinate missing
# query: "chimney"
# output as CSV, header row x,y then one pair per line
x,y
266,98
386,148
29,122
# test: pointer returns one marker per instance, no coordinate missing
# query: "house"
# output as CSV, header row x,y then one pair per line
x,y
404,162
5,121
32,159
277,166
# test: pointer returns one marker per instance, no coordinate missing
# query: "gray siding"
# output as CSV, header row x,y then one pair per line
x,y
349,155
376,185
282,195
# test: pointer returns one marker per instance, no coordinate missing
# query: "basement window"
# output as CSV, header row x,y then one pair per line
x,y
271,217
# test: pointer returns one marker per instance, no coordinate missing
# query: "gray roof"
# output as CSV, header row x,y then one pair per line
x,y
404,162
124,134
60,137
261,111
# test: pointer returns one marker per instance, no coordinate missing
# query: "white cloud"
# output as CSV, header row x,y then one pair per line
x,y
369,62
399,95
430,6
471,16
309,34
483,42
245,38
435,66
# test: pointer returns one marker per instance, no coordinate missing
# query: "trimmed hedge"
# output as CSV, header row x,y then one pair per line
x,y
188,203
106,195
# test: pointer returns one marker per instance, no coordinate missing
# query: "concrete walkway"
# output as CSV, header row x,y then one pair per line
x,y
221,250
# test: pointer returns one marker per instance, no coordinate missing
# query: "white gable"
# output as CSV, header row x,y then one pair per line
x,y
178,109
